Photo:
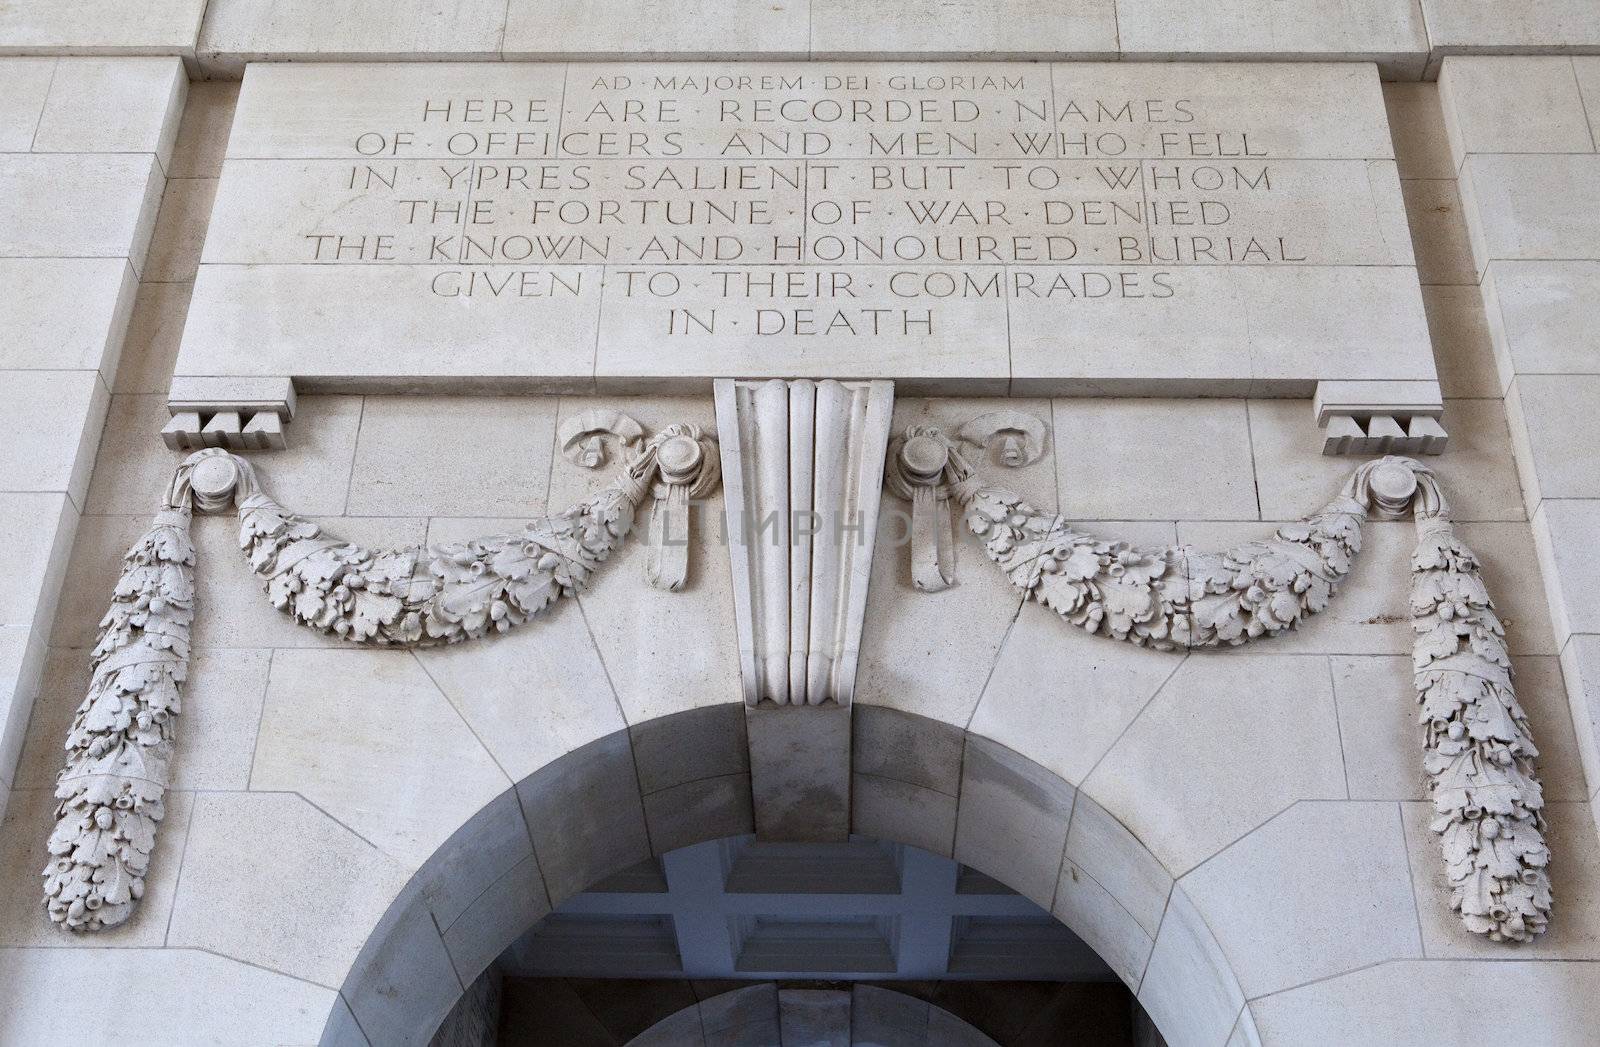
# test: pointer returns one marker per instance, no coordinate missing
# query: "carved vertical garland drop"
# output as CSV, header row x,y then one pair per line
x,y
112,786
1488,805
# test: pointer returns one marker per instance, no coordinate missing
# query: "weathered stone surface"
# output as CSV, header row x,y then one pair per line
x,y
954,227
1340,868
162,27
1512,105
54,422
238,31
724,29
1006,28
65,313
113,105
1390,32
24,82
78,206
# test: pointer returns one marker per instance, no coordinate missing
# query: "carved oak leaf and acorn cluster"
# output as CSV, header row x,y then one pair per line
x,y
114,780
1478,749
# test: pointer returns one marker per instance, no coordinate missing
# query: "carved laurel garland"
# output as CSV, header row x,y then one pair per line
x,y
112,785
1478,748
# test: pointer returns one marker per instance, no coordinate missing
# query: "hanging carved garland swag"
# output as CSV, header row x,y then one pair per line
x,y
1478,750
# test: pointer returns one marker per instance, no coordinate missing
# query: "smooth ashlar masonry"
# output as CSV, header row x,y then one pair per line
x,y
998,228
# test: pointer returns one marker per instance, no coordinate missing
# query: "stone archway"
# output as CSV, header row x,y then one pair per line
x,y
682,779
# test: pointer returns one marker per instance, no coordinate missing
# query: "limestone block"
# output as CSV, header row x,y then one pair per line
x,y
481,933
703,809
1090,911
394,320
324,891
65,313
1519,207
180,229
890,809
1060,696
1574,932
433,772
42,527
1566,533
1103,849
1462,346
906,777
402,466
55,419
1413,1003
725,1013
24,83
1202,464
1012,822
800,770
490,685
1391,34
1542,316
1210,712
888,743
1421,148
153,331
113,105
1468,25
1580,667
1337,872
1189,987
1292,477
697,744
1438,234
1554,436
477,856
1524,104
29,818
239,31
723,29
1012,29
78,206
172,998
1270,99
403,983
1290,322
585,816
165,27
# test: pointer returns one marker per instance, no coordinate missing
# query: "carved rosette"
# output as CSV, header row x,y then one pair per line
x,y
112,786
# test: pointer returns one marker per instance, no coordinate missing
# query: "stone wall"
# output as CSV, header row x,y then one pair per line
x,y
1244,835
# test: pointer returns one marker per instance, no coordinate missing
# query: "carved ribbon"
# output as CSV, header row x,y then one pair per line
x,y
118,748
1478,747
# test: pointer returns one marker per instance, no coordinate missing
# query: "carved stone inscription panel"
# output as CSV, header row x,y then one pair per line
x,y
1026,227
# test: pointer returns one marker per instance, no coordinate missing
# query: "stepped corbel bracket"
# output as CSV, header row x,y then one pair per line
x,y
112,786
802,467
1478,748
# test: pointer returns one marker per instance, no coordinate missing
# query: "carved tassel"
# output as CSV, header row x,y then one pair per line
x,y
115,777
1488,804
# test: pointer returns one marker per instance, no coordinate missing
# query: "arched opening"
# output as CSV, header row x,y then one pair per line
x,y
672,783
